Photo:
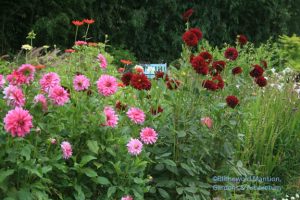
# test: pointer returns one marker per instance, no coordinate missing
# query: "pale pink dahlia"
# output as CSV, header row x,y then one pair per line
x,y
18,122
66,149
58,95
16,78
148,135
81,83
111,117
41,99
127,198
107,85
102,60
136,115
134,146
207,121
28,71
49,80
14,96
2,81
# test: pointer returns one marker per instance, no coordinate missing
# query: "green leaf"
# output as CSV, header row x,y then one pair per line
x,y
163,193
179,190
86,159
181,134
5,174
111,190
46,169
138,180
101,180
26,152
169,162
79,195
89,172
93,146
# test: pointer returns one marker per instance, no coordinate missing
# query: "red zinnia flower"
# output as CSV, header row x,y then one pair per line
x,y
261,81
190,38
219,65
173,84
157,110
140,82
126,78
237,70
89,21
207,56
257,71
77,23
199,65
126,62
197,32
210,85
242,39
232,101
187,14
69,51
231,53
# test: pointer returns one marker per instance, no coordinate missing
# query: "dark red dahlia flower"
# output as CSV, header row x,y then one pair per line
x,y
219,80
161,75
237,70
157,110
261,81
190,38
120,106
200,66
231,53
207,56
219,65
140,82
242,39
197,32
232,101
257,71
210,85
126,78
187,14
173,84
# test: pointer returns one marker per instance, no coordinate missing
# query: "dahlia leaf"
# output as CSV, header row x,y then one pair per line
x,y
5,174
101,180
86,159
89,172
93,146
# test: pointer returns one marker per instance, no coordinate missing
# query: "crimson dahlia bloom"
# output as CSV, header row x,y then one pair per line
x,y
219,65
231,53
257,71
197,32
207,56
210,85
187,14
232,101
200,66
237,70
161,75
190,38
242,39
261,81
18,122
219,81
140,82
126,78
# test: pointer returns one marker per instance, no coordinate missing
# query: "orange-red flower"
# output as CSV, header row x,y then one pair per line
x,y
69,51
126,62
120,84
89,21
121,70
77,22
92,44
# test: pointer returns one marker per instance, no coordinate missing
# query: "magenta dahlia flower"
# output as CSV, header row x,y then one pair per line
x,y
28,71
49,80
134,146
58,95
127,198
102,61
148,135
81,83
107,85
111,117
18,122
136,115
16,78
14,96
42,100
66,149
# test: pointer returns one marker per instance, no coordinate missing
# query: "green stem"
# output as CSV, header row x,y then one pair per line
x,y
87,29
76,34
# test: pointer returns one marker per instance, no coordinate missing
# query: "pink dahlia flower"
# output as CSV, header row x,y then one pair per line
x,y
58,95
81,83
136,115
127,198
49,80
207,121
148,135
41,99
18,122
134,146
2,81
66,149
102,60
28,71
14,96
16,78
80,43
111,117
107,85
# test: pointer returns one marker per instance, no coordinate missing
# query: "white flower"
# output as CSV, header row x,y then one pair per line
x,y
26,47
237,86
297,195
273,70
287,70
292,198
